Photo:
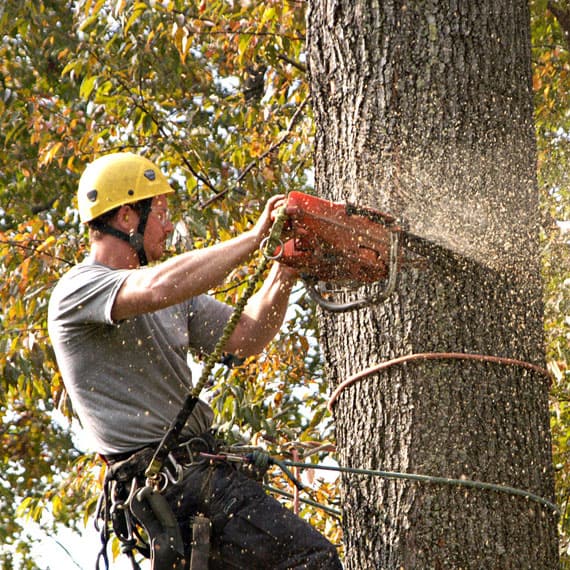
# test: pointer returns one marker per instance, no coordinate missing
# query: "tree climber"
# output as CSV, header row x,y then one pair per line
x,y
121,330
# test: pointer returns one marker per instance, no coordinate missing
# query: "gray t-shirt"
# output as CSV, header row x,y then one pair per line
x,y
128,380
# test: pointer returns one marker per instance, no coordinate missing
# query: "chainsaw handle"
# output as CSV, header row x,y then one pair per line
x,y
333,306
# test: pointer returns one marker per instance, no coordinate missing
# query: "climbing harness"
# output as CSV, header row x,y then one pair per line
x,y
130,502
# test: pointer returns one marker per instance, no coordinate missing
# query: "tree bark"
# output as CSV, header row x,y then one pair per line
x,y
424,110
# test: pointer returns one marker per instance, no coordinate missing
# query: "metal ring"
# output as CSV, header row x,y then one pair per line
x,y
263,245
154,482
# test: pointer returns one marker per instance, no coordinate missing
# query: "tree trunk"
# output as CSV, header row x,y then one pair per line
x,y
424,110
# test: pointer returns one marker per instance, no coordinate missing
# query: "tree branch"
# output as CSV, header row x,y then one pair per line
x,y
562,15
256,161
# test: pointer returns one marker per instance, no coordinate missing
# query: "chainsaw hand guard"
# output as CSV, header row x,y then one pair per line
x,y
324,297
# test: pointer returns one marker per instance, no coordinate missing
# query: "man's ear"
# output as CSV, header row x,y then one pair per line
x,y
126,219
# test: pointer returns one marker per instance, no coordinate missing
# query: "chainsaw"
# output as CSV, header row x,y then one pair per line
x,y
332,243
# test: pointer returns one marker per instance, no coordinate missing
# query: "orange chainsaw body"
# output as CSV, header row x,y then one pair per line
x,y
332,241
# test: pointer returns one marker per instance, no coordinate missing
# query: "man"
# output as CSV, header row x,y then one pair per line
x,y
121,330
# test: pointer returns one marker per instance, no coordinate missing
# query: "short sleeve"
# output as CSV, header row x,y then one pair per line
x,y
206,323
87,294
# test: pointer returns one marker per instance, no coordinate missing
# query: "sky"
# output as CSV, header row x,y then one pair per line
x,y
68,551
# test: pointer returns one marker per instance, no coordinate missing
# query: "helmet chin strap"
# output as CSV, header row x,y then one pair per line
x,y
135,240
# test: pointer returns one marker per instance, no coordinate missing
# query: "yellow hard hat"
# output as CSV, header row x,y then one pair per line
x,y
116,179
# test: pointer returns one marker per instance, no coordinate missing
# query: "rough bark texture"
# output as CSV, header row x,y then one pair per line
x,y
424,109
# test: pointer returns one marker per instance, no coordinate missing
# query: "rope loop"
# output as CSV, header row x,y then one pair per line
x,y
267,253
128,545
431,356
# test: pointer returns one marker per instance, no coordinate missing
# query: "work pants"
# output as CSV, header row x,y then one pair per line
x,y
250,529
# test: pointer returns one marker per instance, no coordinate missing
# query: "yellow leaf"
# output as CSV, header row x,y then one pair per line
x,y
46,244
51,153
119,8
23,509
268,14
139,9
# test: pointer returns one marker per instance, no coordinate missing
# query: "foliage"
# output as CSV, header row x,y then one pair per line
x,y
551,59
215,92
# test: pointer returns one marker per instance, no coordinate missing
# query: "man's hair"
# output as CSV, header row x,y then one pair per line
x,y
96,226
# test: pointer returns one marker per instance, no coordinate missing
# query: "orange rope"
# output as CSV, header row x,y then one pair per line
x,y
430,356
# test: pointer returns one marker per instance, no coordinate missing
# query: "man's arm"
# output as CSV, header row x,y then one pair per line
x,y
189,274
264,313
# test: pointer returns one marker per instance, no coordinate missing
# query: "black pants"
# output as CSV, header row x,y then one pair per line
x,y
250,529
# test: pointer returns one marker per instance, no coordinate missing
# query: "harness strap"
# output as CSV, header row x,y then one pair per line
x,y
124,506
170,438
136,240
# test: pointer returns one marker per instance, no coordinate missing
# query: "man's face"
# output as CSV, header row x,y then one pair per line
x,y
158,227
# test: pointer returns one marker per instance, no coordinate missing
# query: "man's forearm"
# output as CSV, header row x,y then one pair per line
x,y
181,277
264,313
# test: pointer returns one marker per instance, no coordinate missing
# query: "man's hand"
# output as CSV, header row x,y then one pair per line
x,y
265,221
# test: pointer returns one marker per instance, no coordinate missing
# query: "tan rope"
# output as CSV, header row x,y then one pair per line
x,y
430,356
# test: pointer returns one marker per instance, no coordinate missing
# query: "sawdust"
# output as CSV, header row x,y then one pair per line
x,y
484,208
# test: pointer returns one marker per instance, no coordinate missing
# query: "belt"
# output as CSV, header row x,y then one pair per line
x,y
126,466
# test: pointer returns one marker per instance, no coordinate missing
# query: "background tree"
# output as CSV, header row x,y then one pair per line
x,y
425,110
217,93
551,72
182,82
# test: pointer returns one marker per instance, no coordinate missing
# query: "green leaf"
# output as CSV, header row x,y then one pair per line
x,y
87,86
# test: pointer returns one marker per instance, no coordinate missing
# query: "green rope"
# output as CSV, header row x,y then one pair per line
x,y
431,479
271,242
